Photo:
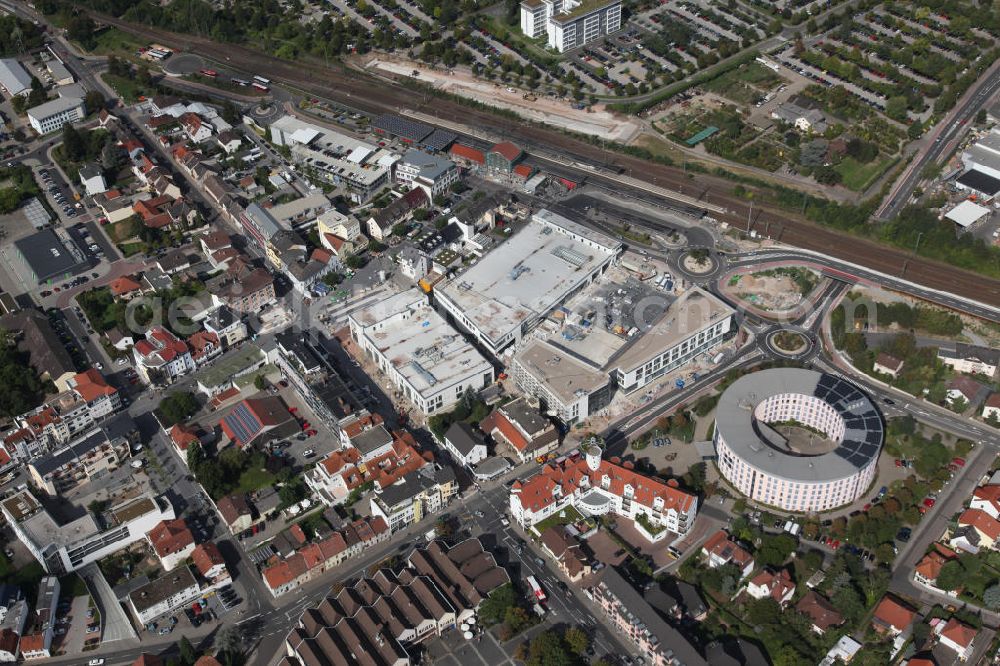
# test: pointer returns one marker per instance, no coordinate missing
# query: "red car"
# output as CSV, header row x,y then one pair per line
x,y
867,506
836,544
958,461
899,463
928,502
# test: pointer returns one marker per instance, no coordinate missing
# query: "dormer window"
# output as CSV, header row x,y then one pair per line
x,y
605,482
629,490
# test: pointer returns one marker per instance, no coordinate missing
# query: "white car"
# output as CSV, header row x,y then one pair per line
x,y
122,361
96,662
309,452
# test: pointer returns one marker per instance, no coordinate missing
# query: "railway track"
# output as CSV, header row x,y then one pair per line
x,y
371,94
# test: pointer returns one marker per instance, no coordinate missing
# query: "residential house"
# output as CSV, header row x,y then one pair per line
x,y
971,359
991,410
230,141
887,364
987,498
243,288
172,542
892,616
161,357
417,495
413,263
235,513
167,593
464,444
210,564
804,120
197,129
381,223
125,288
929,567
182,436
776,585
566,551
719,550
959,637
92,179
204,347
821,613
964,389
229,329
520,425
986,527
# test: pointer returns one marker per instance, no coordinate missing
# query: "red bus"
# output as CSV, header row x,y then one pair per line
x,y
260,86
211,73
536,589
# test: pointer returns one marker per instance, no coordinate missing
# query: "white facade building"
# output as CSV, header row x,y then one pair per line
x,y
822,473
569,24
163,595
52,115
422,355
68,547
596,487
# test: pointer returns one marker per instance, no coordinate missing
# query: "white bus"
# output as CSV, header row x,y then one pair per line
x,y
261,80
536,589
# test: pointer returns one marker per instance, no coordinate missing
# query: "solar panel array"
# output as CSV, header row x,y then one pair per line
x,y
862,422
439,139
242,423
402,127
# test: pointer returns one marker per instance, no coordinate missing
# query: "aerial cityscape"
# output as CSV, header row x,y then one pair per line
x,y
525,333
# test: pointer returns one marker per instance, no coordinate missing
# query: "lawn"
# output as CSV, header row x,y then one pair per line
x,y
564,517
254,478
128,249
122,231
128,89
114,42
857,176
744,84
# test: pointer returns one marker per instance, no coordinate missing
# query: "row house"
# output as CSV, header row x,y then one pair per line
x,y
313,559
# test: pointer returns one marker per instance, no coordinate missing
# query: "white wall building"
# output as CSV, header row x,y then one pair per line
x,y
596,487
162,353
569,24
163,595
68,547
422,355
52,115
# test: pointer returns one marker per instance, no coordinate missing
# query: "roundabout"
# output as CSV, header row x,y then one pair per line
x,y
793,344
698,265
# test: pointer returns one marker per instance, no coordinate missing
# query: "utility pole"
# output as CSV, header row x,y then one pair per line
x,y
749,215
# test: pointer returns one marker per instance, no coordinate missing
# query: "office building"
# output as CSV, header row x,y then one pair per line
x,y
52,115
569,24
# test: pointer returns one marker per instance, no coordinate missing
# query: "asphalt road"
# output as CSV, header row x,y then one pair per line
x,y
941,142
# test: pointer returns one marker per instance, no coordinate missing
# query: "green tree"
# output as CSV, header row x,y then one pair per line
x,y
991,597
188,654
260,382
178,407
94,101
548,649
951,577
577,640
73,145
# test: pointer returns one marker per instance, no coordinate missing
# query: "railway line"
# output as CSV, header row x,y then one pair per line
x,y
370,94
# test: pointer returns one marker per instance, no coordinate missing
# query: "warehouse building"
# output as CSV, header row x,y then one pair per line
x,y
47,257
14,77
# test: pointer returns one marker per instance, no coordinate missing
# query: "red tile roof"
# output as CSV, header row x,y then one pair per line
x,y
993,400
32,642
990,493
893,613
183,435
90,384
170,536
470,154
509,151
207,661
982,522
930,565
123,285
959,633
779,584
537,492
232,507
523,170
821,612
322,255
160,346
205,556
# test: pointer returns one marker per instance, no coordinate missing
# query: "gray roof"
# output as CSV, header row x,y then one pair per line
x,y
75,451
461,436
431,166
964,351
263,220
414,484
371,439
55,106
746,436
402,127
14,77
161,589
670,640
90,170
46,255
47,354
